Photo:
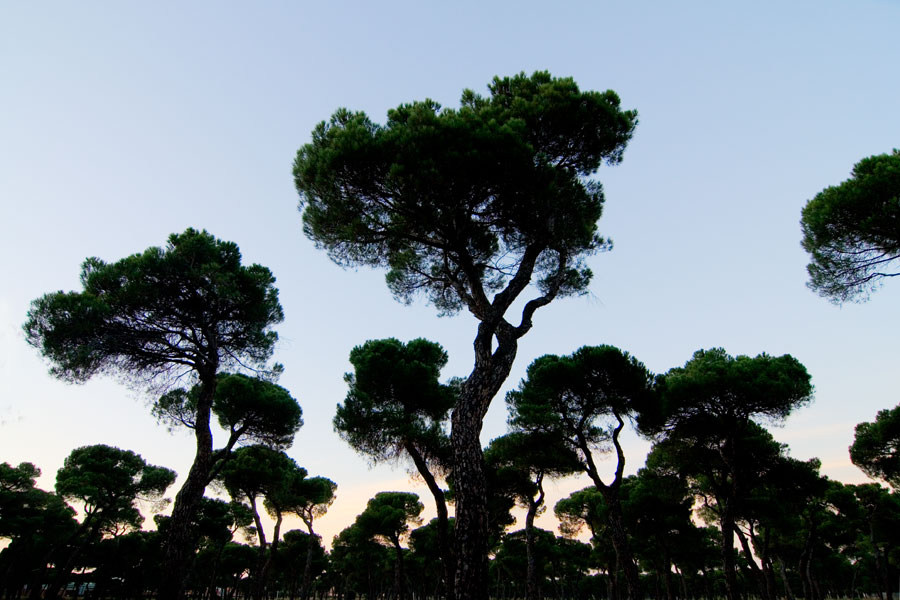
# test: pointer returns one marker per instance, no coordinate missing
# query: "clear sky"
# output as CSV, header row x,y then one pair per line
x,y
121,123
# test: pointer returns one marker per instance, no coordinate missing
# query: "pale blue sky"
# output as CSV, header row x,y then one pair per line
x,y
121,123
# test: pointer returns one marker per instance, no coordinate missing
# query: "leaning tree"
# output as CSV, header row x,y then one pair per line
x,y
470,207
190,309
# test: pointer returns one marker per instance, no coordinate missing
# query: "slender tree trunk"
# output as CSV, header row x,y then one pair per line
x,y
263,579
667,578
615,519
399,583
448,561
532,588
179,544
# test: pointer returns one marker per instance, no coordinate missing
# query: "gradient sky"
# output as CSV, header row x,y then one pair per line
x,y
121,123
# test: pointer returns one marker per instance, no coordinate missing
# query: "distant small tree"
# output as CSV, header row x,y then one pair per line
x,y
189,309
309,499
300,559
359,565
255,473
584,400
523,460
386,518
108,482
707,413
397,408
470,207
850,230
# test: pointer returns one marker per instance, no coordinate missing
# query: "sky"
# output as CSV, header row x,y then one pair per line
x,y
121,123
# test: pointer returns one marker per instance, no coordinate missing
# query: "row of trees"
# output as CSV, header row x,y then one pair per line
x,y
799,534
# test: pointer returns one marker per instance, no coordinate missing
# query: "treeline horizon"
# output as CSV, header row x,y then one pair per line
x,y
797,533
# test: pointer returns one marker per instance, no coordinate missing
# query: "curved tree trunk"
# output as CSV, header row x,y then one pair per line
x,y
618,534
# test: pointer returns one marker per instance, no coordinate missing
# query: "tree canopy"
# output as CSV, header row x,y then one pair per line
x,y
250,409
876,447
108,482
852,230
190,306
706,420
458,202
396,405
583,400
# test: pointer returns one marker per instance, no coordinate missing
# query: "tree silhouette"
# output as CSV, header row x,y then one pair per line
x,y
259,472
462,204
523,459
386,518
851,230
108,482
706,418
395,408
584,401
190,308
876,447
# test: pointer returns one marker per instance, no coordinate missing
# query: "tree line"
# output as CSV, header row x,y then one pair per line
x,y
718,508
488,208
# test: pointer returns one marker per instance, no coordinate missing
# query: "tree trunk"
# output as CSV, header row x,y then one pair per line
x,y
471,507
440,503
262,581
179,544
532,589
624,556
754,568
399,583
490,371
788,593
307,568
